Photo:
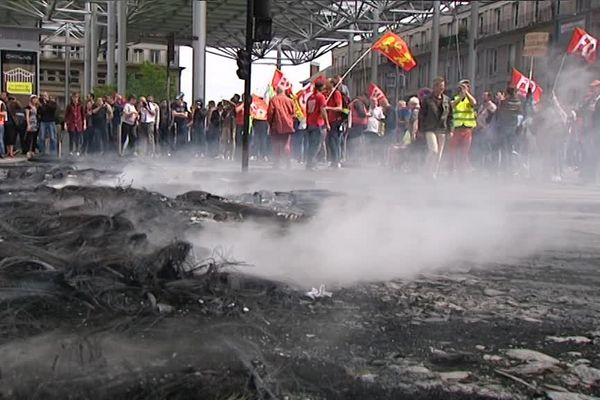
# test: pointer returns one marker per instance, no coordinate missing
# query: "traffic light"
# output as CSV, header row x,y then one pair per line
x,y
243,63
262,21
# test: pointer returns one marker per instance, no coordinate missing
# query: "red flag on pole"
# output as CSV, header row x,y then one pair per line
x,y
584,44
393,47
375,92
280,81
258,108
522,84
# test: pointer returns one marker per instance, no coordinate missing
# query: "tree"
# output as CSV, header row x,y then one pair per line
x,y
151,80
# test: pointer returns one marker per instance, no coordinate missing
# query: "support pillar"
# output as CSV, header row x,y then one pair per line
x,y
122,45
111,38
199,47
67,63
93,46
435,40
349,62
374,56
278,61
86,52
473,34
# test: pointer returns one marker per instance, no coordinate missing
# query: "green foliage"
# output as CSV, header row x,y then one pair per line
x,y
151,80
104,90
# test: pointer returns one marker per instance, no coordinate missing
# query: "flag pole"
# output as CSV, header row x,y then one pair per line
x,y
531,69
562,63
349,70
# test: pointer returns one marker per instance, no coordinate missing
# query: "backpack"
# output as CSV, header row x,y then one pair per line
x,y
18,118
345,106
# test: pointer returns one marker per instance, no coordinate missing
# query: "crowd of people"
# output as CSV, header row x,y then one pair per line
x,y
430,132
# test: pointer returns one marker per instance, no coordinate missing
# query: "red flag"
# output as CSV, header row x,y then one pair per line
x,y
259,108
280,81
393,47
522,84
300,99
584,44
375,92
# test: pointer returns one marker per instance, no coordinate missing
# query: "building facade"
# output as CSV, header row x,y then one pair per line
x,y
501,28
53,67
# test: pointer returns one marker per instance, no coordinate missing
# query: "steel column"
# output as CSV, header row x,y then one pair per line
x,y
122,45
473,34
67,63
374,56
199,47
111,38
93,46
86,52
435,41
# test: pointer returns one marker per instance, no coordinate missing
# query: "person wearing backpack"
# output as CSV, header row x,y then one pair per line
x,y
16,125
3,120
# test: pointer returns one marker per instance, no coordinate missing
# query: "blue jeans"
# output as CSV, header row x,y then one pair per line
x,y
315,138
334,140
47,131
2,150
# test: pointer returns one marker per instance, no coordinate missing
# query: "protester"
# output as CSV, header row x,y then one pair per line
x,y
213,130
509,115
335,134
128,127
317,123
228,129
373,131
483,136
358,124
32,118
149,113
47,124
16,126
180,115
435,122
281,121
99,133
464,121
3,121
198,125
75,124
260,137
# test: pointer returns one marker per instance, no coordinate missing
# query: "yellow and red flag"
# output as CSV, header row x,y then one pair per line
x,y
258,108
393,47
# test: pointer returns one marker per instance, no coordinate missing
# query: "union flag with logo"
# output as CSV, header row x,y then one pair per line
x,y
584,44
522,84
393,47
375,92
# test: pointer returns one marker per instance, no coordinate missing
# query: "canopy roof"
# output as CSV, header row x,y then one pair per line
x,y
303,29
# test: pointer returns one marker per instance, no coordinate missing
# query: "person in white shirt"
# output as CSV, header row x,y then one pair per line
x,y
148,116
373,132
130,120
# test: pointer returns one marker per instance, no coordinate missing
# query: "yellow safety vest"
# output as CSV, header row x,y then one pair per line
x,y
464,115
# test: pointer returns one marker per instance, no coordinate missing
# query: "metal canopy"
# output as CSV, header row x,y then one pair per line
x,y
303,29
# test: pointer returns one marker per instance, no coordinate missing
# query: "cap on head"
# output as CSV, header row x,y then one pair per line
x,y
179,96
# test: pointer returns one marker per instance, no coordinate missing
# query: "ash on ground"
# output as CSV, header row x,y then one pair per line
x,y
99,299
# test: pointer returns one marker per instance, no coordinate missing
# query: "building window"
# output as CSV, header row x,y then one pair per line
x,y
492,61
498,21
537,10
155,56
515,12
511,57
480,24
56,51
138,56
51,76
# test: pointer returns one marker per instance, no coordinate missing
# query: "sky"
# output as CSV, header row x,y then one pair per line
x,y
222,81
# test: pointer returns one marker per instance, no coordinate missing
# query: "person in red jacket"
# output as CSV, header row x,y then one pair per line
x,y
334,114
281,121
317,123
358,124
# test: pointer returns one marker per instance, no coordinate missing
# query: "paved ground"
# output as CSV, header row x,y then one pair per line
x,y
466,289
